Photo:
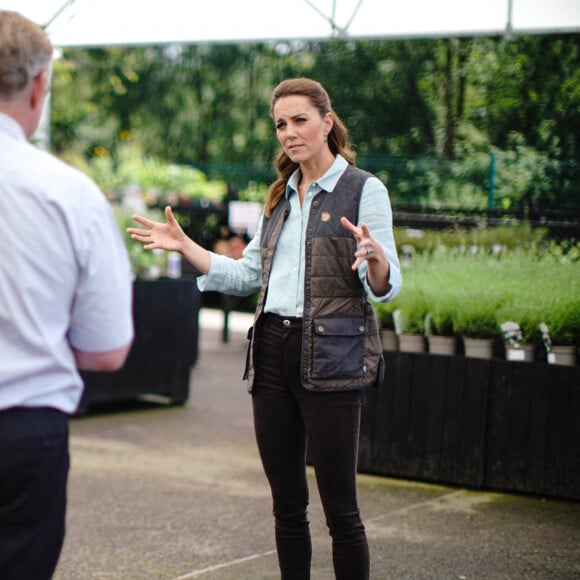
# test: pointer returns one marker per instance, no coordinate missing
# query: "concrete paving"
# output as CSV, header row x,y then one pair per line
x,y
173,493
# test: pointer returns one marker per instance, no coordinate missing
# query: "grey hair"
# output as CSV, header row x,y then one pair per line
x,y
25,52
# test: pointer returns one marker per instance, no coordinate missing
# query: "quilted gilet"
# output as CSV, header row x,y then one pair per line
x,y
341,347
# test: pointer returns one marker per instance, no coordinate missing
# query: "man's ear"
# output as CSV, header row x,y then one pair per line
x,y
39,90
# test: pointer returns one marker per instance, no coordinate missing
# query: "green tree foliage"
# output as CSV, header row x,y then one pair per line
x,y
425,113
529,86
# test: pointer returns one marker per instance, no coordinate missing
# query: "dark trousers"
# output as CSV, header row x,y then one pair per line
x,y
34,465
287,417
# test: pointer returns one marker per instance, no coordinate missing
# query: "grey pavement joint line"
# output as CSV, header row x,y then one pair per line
x,y
409,508
404,510
225,565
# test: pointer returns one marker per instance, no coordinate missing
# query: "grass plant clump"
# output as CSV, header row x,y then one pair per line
x,y
494,240
384,312
471,293
413,310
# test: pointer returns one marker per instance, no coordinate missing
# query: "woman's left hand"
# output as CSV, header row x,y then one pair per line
x,y
371,251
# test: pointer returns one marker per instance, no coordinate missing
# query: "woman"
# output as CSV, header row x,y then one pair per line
x,y
315,341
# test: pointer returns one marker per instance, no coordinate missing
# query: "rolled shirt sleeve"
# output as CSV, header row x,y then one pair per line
x,y
239,277
376,213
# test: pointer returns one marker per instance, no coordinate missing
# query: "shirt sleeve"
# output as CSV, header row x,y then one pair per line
x,y
239,277
375,211
101,317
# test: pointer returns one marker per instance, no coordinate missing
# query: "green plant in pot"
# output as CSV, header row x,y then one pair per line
x,y
475,321
384,312
562,317
442,313
412,307
475,315
560,328
520,313
441,331
410,319
558,301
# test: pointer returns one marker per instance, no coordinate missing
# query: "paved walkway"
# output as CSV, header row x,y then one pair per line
x,y
172,493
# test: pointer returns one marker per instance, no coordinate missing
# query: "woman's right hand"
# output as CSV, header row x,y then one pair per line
x,y
169,236
166,236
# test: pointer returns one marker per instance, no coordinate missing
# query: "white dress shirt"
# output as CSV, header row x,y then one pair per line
x,y
65,277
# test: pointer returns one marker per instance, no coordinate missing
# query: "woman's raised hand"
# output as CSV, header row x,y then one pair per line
x,y
372,252
166,236
369,249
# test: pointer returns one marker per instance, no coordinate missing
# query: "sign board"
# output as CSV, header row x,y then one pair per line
x,y
244,217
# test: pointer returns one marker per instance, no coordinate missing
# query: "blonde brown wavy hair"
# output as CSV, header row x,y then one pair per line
x,y
337,138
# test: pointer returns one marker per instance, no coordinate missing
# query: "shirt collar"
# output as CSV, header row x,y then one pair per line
x,y
11,128
327,182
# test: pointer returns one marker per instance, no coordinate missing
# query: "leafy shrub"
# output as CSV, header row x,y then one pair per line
x,y
160,182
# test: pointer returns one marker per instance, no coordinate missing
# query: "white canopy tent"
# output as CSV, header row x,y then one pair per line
x,y
92,23
131,22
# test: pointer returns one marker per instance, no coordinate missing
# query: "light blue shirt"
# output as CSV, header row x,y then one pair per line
x,y
286,285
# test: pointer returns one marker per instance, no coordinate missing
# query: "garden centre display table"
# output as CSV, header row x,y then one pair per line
x,y
166,313
491,424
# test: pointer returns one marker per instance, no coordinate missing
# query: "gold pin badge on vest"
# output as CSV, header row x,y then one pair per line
x,y
325,216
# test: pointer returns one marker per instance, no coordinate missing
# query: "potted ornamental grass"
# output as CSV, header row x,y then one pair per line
x,y
409,319
560,329
462,296
440,324
475,322
384,312
543,297
558,307
472,290
517,318
519,324
441,333
470,295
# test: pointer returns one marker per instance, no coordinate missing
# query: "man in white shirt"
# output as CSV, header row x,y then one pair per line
x,y
65,306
